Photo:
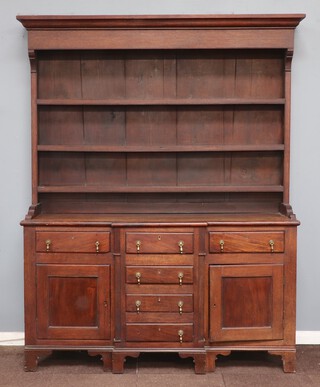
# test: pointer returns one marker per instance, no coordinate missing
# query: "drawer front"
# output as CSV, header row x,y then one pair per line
x,y
178,333
159,243
159,275
73,241
246,242
159,303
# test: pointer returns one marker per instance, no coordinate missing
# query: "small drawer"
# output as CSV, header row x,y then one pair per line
x,y
179,275
159,243
246,242
75,241
139,303
178,333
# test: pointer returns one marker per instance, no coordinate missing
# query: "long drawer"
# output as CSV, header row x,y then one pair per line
x,y
140,303
179,333
73,241
159,275
159,243
246,242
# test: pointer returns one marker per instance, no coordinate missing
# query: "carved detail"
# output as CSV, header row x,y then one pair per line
x,y
212,357
289,55
33,61
34,210
106,358
288,360
286,210
118,360
200,361
31,358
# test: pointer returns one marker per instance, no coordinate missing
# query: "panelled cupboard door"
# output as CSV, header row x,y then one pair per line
x,y
73,302
246,302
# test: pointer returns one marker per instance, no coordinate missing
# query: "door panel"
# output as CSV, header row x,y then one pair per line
x,y
246,302
73,302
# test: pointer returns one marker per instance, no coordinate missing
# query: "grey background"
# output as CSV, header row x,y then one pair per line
x,y
15,166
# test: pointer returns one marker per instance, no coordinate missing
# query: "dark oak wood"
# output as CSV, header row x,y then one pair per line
x,y
160,216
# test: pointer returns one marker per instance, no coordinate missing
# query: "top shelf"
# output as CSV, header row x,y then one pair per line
x,y
164,101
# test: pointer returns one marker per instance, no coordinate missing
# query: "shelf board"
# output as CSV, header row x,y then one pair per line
x,y
163,101
164,148
158,189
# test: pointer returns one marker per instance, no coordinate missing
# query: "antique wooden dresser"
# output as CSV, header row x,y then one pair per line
x,y
160,217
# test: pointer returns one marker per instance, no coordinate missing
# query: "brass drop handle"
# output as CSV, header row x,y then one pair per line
x,y
181,244
138,277
138,245
180,334
48,244
180,276
180,305
138,304
97,244
271,243
221,245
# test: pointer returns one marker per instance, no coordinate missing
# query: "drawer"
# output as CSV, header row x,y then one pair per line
x,y
159,275
246,242
159,303
161,243
73,241
179,333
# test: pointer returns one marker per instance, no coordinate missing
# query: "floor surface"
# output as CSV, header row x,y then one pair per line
x,y
160,370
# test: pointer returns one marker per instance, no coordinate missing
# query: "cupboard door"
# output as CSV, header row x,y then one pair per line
x,y
73,302
246,302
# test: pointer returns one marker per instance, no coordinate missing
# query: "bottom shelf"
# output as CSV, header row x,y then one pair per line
x,y
150,203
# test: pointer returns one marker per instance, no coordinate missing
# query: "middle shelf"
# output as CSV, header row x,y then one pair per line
x,y
160,189
164,148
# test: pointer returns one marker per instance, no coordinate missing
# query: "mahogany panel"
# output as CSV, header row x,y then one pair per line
x,y
61,168
81,169
151,169
246,302
60,125
260,74
103,74
59,74
255,125
200,125
153,126
151,203
256,168
73,302
104,126
145,75
201,169
251,302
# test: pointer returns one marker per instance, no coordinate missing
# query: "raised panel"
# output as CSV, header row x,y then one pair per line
x,y
73,302
246,302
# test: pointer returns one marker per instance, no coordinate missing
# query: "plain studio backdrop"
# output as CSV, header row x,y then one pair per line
x,y
15,152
